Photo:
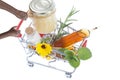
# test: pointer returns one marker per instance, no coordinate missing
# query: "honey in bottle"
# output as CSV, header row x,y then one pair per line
x,y
72,38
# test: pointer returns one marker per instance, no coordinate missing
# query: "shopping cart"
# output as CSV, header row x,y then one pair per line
x,y
56,55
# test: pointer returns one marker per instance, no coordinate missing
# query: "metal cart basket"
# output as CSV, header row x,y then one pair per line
x,y
31,55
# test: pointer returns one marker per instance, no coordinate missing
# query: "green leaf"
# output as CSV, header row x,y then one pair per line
x,y
84,53
74,61
66,25
62,50
72,58
71,13
68,54
72,20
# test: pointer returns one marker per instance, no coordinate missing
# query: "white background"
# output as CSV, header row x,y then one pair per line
x,y
104,42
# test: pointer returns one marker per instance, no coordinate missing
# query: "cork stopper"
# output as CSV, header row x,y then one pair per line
x,y
86,32
29,30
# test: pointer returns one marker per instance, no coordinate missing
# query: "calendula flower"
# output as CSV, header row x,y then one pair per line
x,y
43,49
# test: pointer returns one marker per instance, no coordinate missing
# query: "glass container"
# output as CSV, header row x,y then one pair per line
x,y
32,35
42,13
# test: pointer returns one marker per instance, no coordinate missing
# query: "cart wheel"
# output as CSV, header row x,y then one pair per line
x,y
68,75
30,64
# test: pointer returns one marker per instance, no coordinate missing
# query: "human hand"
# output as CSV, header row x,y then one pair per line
x,y
13,32
21,15
29,13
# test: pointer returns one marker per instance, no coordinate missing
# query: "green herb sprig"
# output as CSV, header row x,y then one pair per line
x,y
68,21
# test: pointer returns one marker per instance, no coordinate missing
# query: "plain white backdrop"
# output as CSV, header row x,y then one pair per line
x,y
103,42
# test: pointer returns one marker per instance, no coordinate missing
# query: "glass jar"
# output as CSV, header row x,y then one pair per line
x,y
42,13
32,35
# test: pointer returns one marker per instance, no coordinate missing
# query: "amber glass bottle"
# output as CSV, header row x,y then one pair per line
x,y
72,38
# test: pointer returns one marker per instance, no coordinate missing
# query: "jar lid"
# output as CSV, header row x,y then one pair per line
x,y
42,7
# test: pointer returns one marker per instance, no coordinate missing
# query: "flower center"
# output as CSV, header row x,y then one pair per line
x,y
43,46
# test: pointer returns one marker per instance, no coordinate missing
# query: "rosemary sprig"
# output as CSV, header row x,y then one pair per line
x,y
68,21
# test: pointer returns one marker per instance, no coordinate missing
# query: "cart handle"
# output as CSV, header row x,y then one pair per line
x,y
19,25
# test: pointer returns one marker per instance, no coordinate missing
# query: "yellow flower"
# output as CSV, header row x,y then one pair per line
x,y
43,49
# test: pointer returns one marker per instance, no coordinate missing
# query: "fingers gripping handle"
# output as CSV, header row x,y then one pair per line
x,y
17,28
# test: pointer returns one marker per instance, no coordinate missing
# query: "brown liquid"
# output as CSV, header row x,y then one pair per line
x,y
69,39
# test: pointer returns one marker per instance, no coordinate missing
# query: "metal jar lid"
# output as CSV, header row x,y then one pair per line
x,y
42,7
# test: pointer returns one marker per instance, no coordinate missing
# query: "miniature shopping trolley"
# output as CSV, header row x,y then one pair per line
x,y
61,49
57,59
